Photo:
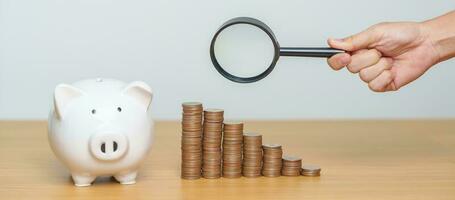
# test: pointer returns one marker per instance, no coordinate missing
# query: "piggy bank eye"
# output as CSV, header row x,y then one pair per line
x,y
93,111
119,109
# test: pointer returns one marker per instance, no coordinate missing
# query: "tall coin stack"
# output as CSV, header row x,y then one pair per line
x,y
272,160
191,140
232,149
252,154
291,166
213,127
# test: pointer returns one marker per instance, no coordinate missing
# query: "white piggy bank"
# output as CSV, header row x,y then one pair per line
x,y
101,127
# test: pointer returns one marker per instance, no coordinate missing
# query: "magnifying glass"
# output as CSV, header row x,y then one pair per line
x,y
245,50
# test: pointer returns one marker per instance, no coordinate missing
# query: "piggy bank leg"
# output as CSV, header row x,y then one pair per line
x,y
82,180
126,178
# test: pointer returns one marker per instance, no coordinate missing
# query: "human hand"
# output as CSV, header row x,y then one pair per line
x,y
387,56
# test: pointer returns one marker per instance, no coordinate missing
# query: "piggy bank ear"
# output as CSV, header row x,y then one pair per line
x,y
141,92
63,95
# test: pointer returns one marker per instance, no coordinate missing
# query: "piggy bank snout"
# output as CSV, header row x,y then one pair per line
x,y
108,146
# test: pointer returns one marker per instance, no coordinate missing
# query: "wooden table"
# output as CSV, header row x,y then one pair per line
x,y
359,159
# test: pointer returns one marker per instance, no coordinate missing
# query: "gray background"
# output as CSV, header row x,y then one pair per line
x,y
165,43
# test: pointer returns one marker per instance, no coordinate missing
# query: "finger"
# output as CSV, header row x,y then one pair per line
x,y
383,83
391,87
359,51
355,42
370,73
338,61
364,59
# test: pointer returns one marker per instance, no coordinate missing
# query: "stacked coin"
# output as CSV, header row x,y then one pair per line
x,y
191,140
291,166
311,170
232,149
213,127
252,155
272,160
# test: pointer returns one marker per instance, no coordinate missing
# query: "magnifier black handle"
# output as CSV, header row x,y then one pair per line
x,y
320,52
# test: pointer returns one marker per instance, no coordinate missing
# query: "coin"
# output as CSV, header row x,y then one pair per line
x,y
233,126
311,170
211,143
191,140
212,147
214,115
252,155
232,149
272,160
188,107
291,166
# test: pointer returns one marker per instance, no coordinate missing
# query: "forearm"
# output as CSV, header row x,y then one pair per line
x,y
441,31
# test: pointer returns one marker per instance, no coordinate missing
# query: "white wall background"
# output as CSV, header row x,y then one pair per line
x,y
165,43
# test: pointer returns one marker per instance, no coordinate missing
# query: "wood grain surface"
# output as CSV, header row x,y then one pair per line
x,y
359,160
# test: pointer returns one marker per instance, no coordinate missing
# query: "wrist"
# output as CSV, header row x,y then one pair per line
x,y
440,32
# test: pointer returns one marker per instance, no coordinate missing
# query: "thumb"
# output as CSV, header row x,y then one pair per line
x,y
355,42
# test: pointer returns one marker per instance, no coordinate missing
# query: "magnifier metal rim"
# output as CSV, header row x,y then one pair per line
x,y
260,25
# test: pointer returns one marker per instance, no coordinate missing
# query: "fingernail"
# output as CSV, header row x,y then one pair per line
x,y
337,40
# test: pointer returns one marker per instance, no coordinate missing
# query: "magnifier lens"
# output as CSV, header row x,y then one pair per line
x,y
244,50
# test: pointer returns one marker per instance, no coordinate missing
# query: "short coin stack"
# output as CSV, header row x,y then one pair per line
x,y
291,166
272,161
311,170
252,154
191,140
232,149
213,127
